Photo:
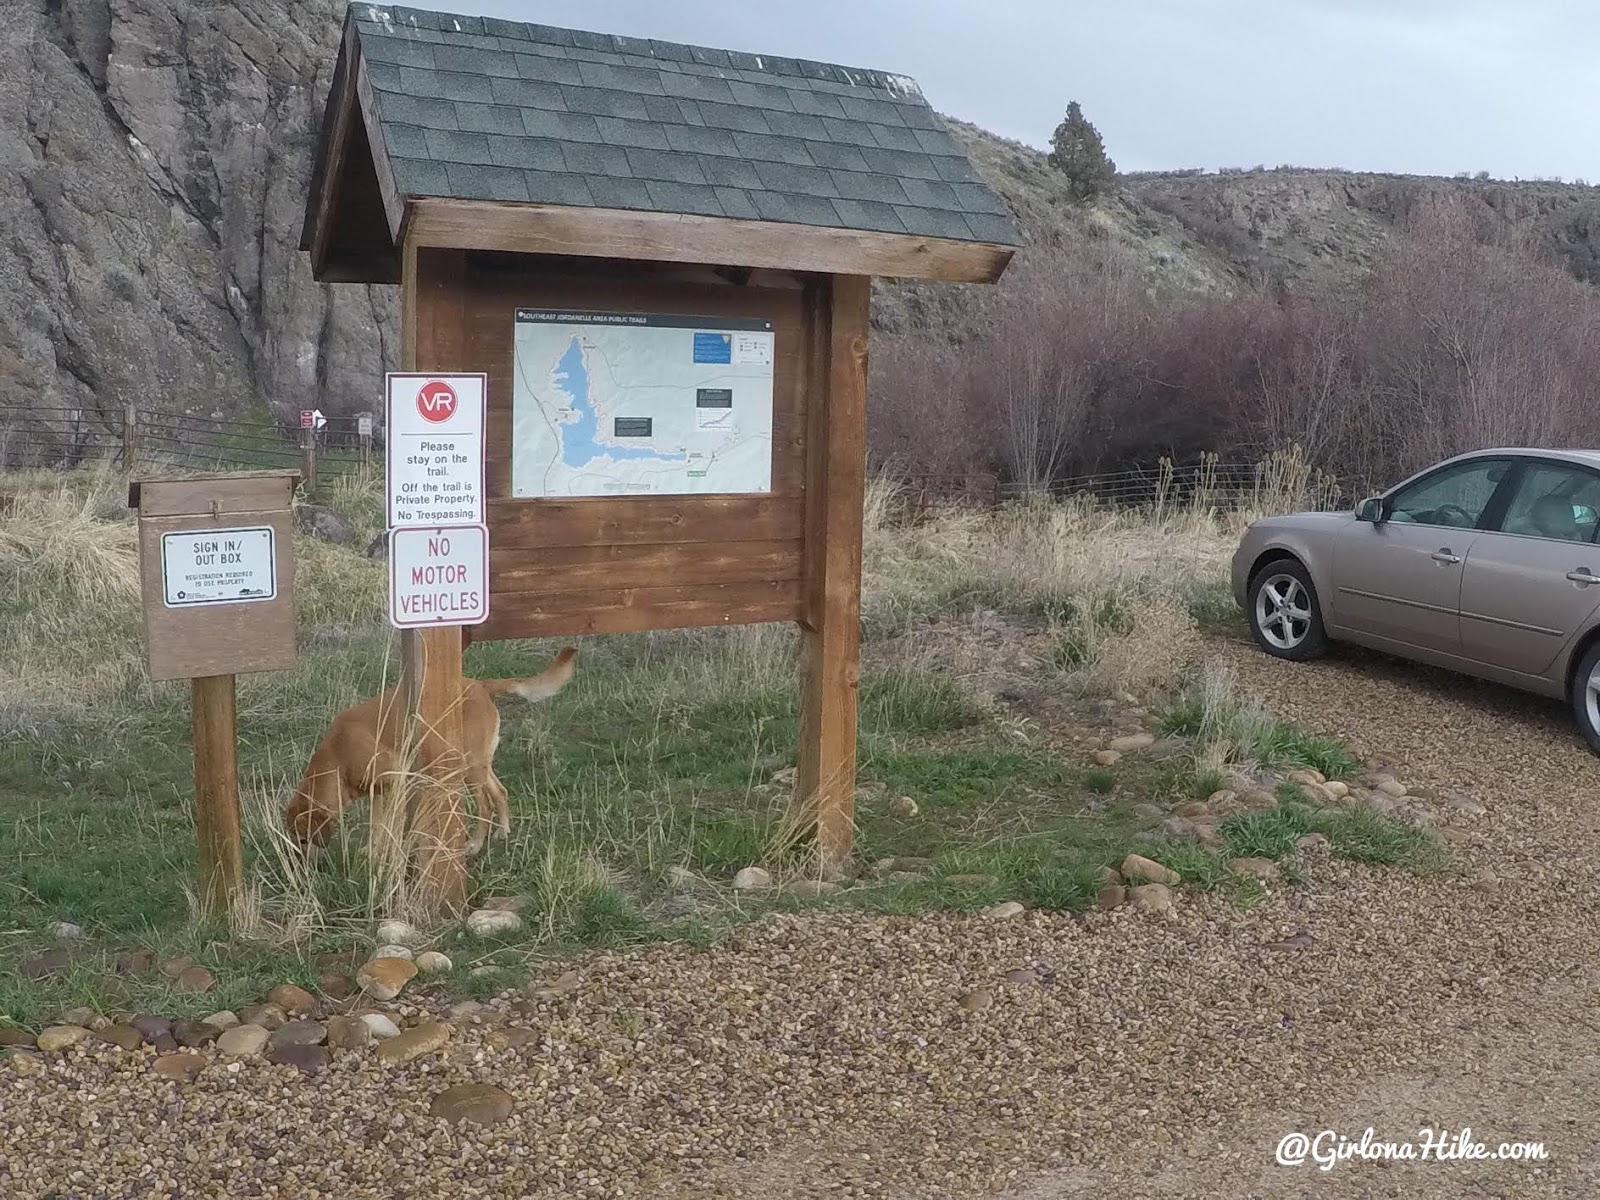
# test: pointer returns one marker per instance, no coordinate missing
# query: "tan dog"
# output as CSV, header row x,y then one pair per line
x,y
360,755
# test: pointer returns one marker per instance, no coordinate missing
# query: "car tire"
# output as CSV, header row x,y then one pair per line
x,y
1284,613
1586,696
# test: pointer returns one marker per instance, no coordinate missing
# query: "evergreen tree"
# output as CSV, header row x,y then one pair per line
x,y
1078,153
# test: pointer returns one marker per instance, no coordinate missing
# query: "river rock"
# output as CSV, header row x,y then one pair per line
x,y
1138,869
383,978
56,1039
293,999
381,1025
349,1033
489,922
479,1103
268,1016
242,1041
1151,897
180,1068
426,1038
1003,911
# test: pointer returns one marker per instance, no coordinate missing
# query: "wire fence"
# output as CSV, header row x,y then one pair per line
x,y
60,437
1282,479
63,437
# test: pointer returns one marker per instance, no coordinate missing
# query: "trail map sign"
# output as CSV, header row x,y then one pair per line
x,y
608,404
434,449
438,576
218,566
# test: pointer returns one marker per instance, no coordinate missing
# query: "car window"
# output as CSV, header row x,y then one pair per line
x,y
1555,502
1454,497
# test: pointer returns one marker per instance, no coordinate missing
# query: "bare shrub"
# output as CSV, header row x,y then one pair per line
x,y
1463,335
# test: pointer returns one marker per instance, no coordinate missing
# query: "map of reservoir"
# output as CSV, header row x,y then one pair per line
x,y
608,404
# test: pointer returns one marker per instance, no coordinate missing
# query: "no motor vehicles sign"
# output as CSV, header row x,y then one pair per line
x,y
439,576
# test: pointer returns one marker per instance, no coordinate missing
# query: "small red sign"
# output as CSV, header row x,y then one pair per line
x,y
436,401
305,418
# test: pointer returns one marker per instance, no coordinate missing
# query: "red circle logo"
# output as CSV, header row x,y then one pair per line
x,y
436,401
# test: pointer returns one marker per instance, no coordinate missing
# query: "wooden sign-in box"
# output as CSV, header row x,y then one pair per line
x,y
216,562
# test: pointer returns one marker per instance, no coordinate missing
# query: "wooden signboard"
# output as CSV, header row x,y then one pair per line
x,y
216,562
711,470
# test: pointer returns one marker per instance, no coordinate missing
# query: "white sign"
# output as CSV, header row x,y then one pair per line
x,y
617,404
439,576
364,425
218,566
434,449
317,419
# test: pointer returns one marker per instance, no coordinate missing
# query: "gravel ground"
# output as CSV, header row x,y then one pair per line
x,y
829,1056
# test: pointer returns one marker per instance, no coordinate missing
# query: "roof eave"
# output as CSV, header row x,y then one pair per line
x,y
721,241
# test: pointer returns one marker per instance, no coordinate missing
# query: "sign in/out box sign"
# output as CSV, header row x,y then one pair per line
x,y
434,449
438,576
218,566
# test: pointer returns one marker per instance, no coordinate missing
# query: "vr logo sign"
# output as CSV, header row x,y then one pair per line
x,y
436,401
434,449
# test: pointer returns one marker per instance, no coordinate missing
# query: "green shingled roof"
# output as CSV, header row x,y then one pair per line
x,y
476,108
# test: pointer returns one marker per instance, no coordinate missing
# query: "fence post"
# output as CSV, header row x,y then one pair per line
x,y
130,437
308,459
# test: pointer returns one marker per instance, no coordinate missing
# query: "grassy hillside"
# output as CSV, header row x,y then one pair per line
x,y
1209,233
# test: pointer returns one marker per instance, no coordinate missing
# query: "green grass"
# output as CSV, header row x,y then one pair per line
x,y
1270,834
661,754
1100,780
1368,836
1213,714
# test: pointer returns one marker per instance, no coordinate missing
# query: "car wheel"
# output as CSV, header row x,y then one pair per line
x,y
1285,618
1586,696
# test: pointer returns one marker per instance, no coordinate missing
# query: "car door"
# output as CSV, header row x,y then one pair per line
x,y
1530,584
1399,579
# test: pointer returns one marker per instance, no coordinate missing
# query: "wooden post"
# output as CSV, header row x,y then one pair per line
x,y
216,792
835,492
432,333
308,460
130,437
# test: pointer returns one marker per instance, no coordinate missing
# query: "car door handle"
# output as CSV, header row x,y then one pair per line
x,y
1444,556
1583,575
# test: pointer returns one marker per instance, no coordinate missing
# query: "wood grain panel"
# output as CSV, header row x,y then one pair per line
x,y
576,614
643,520
606,568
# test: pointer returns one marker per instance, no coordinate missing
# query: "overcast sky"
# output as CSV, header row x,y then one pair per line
x,y
1421,86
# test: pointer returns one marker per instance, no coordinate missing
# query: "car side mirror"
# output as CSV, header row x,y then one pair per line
x,y
1372,511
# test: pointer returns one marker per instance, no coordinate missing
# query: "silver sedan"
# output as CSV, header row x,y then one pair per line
x,y
1485,564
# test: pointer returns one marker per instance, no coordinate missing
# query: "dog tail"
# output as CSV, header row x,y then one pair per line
x,y
541,686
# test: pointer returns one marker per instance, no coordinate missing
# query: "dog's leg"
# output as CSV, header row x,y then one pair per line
x,y
502,803
482,783
497,790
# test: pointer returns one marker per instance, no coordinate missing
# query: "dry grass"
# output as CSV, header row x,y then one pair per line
x,y
1097,599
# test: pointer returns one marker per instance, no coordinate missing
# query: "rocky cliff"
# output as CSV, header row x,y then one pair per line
x,y
154,158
